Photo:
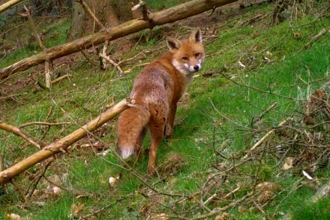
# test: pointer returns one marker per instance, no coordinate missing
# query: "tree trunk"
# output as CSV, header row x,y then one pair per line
x,y
110,13
158,18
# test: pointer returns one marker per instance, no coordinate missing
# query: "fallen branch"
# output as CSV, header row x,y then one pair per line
x,y
9,4
316,37
17,131
60,78
158,18
64,143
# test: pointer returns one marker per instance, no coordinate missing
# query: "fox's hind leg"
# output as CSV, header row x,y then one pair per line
x,y
139,141
157,124
170,122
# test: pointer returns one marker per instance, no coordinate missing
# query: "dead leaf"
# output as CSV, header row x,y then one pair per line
x,y
265,196
13,216
224,216
268,186
161,216
77,209
242,209
288,163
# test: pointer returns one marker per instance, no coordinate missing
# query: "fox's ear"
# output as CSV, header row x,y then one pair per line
x,y
196,36
173,44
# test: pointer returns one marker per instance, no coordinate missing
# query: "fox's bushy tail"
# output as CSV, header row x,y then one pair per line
x,y
131,123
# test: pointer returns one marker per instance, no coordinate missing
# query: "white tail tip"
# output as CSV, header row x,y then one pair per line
x,y
126,153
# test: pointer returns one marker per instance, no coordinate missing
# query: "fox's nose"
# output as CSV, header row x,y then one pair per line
x,y
196,67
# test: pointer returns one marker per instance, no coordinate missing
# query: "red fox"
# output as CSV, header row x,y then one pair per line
x,y
156,91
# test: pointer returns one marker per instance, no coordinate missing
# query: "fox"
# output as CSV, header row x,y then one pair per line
x,y
156,91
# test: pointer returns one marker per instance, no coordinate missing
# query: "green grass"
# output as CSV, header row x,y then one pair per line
x,y
201,131
56,36
159,5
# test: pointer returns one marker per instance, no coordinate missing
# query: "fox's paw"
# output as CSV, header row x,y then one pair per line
x,y
168,131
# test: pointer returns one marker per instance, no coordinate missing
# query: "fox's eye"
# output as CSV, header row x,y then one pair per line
x,y
185,58
197,54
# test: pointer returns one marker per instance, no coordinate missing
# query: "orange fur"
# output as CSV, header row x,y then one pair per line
x,y
156,91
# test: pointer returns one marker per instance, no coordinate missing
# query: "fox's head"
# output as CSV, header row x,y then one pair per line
x,y
188,54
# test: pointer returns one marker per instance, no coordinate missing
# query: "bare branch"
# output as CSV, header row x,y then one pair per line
x,y
64,143
19,132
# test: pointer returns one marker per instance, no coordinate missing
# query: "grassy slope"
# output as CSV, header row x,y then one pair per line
x,y
88,91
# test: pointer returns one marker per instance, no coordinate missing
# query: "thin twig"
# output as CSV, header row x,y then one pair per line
x,y
262,114
121,72
219,210
44,123
266,136
260,90
34,186
18,188
227,118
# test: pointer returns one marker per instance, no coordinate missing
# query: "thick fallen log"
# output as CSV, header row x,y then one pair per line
x,y
158,18
62,144
9,4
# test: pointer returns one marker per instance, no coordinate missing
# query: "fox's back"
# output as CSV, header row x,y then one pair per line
x,y
156,81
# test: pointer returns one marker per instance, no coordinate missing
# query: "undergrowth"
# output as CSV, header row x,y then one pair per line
x,y
249,67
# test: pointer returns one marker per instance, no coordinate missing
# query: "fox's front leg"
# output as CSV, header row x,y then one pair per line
x,y
170,122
